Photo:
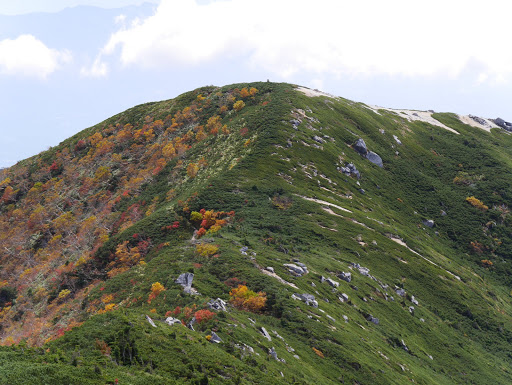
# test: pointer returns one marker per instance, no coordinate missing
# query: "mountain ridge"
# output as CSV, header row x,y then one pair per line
x,y
331,267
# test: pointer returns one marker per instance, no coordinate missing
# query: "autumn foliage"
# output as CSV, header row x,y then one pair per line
x,y
156,288
245,299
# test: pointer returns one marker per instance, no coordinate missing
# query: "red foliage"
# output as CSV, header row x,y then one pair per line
x,y
204,315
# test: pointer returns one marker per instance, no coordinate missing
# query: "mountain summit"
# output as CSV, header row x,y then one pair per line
x,y
261,233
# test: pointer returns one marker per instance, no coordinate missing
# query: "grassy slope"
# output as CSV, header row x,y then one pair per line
x,y
466,324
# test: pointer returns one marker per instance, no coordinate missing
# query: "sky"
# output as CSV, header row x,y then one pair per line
x,y
66,65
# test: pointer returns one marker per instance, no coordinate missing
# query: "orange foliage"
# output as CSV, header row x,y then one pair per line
x,y
245,299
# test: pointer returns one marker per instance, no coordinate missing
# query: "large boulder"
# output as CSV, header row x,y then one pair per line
x,y
503,124
360,146
374,158
185,280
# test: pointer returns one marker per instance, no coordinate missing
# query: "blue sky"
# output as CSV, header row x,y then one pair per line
x,y
68,64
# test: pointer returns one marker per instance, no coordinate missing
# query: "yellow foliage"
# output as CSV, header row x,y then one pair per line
x,y
192,170
206,249
237,106
476,203
107,298
64,293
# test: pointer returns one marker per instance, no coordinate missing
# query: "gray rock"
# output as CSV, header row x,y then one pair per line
x,y
429,223
265,333
277,335
243,250
172,321
443,213
404,346
191,323
400,292
308,299
350,170
150,321
330,281
343,297
396,139
411,310
414,300
273,354
294,269
185,280
373,319
215,338
217,304
271,269
503,124
360,146
318,139
347,277
345,318
362,191
374,158
478,120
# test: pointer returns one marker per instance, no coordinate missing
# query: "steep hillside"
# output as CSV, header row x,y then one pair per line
x,y
260,233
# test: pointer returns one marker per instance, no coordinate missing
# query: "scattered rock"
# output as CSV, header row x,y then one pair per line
x,y
362,191
277,335
191,323
374,158
360,146
217,304
347,277
343,297
373,319
273,354
443,213
309,299
172,321
400,292
265,333
411,310
414,300
479,120
150,321
396,139
295,123
350,170
345,318
330,281
362,270
185,280
422,320
403,345
429,223
271,269
296,270
318,139
503,124
215,338
243,250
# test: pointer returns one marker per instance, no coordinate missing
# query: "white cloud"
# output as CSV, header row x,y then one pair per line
x,y
97,70
28,56
336,37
